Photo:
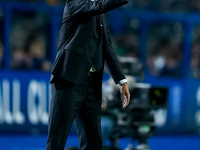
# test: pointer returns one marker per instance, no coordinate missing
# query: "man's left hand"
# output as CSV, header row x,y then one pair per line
x,y
125,95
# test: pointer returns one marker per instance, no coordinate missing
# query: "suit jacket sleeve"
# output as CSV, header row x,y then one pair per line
x,y
82,8
113,64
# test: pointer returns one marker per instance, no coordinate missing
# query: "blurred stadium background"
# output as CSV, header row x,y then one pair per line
x,y
164,35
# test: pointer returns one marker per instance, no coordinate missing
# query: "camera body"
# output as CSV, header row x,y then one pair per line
x,y
145,96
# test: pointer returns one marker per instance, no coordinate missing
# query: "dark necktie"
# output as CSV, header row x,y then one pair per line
x,y
99,62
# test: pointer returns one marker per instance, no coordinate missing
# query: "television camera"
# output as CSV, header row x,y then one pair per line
x,y
137,120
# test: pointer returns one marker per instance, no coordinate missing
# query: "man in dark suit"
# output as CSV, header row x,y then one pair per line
x,y
77,73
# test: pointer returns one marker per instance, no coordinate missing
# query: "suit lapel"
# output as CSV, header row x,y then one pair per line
x,y
100,24
99,19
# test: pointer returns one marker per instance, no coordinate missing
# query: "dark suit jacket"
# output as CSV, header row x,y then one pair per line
x,y
79,40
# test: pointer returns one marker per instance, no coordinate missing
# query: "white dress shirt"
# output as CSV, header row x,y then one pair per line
x,y
122,81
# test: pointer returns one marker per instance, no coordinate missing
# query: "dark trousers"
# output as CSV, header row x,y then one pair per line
x,y
79,103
